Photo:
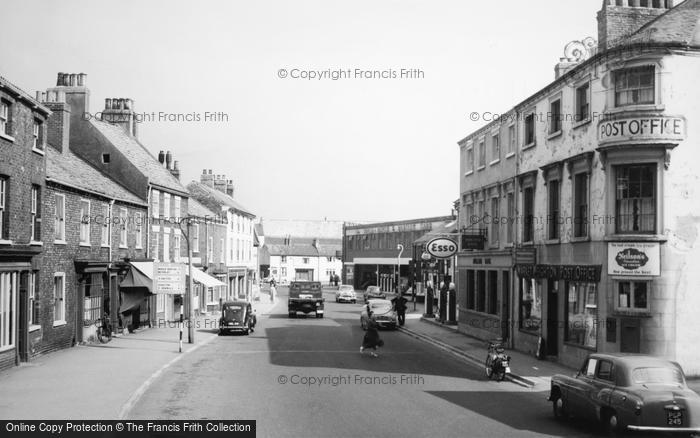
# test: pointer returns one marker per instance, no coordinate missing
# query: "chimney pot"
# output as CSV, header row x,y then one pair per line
x,y
176,165
81,79
168,159
161,157
59,80
209,171
204,171
38,96
108,103
73,79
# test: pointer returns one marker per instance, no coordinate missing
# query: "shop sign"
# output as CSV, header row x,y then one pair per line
x,y
635,129
577,273
634,258
442,248
169,278
473,242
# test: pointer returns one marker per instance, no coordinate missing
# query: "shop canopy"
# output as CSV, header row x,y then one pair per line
x,y
136,286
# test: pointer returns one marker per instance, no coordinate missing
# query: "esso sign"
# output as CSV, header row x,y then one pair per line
x,y
442,248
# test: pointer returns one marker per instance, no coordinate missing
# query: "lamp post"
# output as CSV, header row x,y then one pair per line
x,y
425,257
190,282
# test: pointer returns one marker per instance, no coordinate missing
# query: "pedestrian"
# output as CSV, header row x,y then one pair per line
x,y
371,339
272,282
336,279
400,307
429,299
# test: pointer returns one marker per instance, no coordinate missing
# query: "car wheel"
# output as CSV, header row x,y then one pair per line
x,y
612,425
558,407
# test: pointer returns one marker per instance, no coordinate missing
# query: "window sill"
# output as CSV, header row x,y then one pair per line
x,y
33,328
494,162
123,247
7,348
60,242
105,246
636,238
59,323
7,137
5,242
510,154
84,245
552,241
36,243
554,135
471,172
38,151
581,239
139,247
583,122
529,146
637,107
482,167
528,243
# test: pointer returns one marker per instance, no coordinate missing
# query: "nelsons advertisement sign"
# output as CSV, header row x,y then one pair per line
x,y
640,259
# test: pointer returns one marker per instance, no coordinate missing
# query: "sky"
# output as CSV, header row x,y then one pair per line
x,y
365,147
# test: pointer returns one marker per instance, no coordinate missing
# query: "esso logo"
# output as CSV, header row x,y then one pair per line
x,y
442,248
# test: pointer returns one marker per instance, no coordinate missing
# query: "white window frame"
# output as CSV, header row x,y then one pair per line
x,y
156,246
155,203
32,299
166,247
195,238
222,251
630,306
59,299
8,301
166,206
580,119
512,140
4,118
84,236
177,201
34,212
38,136
60,219
123,235
495,148
176,248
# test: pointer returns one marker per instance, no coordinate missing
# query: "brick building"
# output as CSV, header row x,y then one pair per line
x,y
597,183
23,123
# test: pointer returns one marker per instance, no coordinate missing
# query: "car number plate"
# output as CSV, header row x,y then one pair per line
x,y
674,418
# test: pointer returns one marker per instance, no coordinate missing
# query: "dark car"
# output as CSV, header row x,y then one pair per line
x,y
373,292
628,393
306,297
236,317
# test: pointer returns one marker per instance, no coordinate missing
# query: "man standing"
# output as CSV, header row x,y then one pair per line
x,y
400,307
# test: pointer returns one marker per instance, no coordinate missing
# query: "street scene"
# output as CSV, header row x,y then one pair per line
x,y
329,219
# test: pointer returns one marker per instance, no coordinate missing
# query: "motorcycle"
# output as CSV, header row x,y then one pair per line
x,y
497,361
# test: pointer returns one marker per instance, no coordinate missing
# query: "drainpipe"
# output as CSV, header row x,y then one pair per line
x,y
148,221
109,234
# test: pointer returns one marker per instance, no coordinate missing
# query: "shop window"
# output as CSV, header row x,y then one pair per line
x,y
481,291
635,199
554,210
581,205
528,214
471,293
581,314
632,296
634,86
8,301
530,305
493,293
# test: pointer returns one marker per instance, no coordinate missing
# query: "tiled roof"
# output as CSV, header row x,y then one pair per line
x,y
300,228
302,240
139,156
70,170
302,250
680,25
195,208
215,199
14,89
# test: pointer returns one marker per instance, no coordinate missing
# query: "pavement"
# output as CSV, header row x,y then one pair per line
x,y
101,381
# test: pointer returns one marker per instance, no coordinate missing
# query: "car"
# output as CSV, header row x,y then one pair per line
x,y
383,314
236,317
626,392
306,297
345,294
373,292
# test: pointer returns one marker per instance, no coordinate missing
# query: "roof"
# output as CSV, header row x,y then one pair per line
x,y
70,170
631,359
139,156
196,208
302,228
23,95
446,229
303,250
402,222
679,25
215,199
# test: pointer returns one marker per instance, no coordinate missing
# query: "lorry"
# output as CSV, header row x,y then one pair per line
x,y
306,297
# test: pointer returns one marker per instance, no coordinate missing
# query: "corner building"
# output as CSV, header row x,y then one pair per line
x,y
598,185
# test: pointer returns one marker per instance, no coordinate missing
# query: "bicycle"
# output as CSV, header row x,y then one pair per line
x,y
104,329
497,362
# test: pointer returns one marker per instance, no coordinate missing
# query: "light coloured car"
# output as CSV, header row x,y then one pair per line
x,y
373,292
382,313
345,294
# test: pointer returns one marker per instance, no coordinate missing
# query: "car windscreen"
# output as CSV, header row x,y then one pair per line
x,y
381,307
346,288
234,313
373,289
657,375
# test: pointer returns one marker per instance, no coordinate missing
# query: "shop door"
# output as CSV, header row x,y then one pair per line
x,y
23,326
505,307
630,333
552,341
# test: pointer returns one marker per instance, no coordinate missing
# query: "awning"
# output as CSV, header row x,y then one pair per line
x,y
136,286
145,270
205,279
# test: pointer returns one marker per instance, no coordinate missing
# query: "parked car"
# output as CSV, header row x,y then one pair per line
x,y
236,316
628,392
373,292
345,294
383,314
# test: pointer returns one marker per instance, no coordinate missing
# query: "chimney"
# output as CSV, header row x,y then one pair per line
x,y
621,18
176,170
74,92
168,160
207,178
220,183
229,188
161,158
120,112
58,133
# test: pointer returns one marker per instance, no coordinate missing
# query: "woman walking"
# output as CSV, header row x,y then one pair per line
x,y
371,339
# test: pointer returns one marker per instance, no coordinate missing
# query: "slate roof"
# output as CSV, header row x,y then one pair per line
x,y
195,208
139,156
21,94
303,250
679,25
214,199
70,170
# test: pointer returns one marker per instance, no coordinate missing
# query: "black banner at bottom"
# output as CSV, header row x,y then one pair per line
x,y
127,428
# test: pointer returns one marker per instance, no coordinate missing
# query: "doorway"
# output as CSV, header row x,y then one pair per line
x,y
552,318
630,335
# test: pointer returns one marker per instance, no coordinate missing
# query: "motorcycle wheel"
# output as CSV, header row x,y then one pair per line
x,y
500,375
489,367
104,334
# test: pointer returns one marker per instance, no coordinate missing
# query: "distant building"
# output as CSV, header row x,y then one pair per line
x,y
300,250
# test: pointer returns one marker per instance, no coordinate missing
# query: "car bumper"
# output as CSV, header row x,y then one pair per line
x,y
233,329
346,299
384,324
664,429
